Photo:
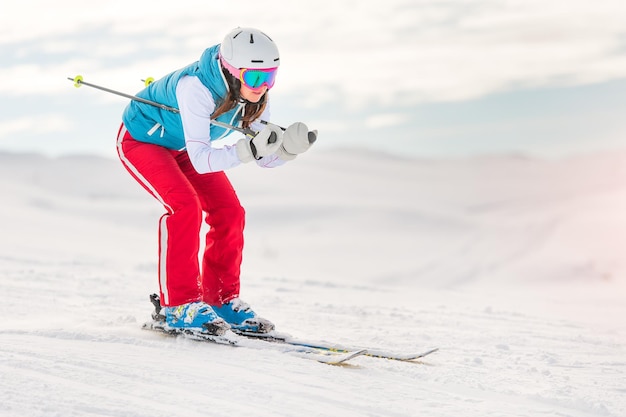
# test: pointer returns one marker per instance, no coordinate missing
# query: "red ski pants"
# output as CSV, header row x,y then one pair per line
x,y
186,195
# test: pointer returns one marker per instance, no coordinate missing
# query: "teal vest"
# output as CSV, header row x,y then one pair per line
x,y
147,123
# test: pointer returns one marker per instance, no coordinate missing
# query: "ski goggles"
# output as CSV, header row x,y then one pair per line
x,y
253,78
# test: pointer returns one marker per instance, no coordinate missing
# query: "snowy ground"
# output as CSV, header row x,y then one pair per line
x,y
515,268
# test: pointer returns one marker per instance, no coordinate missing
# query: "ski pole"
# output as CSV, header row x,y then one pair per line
x,y
150,80
78,81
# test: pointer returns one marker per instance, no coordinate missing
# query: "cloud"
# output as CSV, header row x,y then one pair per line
x,y
347,68
40,124
385,120
404,52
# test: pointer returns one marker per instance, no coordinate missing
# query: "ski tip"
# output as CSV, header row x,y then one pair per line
x,y
341,359
400,357
421,355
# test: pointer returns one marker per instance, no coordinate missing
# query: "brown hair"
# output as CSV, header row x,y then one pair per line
x,y
251,111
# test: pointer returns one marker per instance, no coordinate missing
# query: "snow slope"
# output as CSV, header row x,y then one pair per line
x,y
514,267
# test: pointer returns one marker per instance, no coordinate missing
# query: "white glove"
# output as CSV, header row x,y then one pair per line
x,y
296,140
265,143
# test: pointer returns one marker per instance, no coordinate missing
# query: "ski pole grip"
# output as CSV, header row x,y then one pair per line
x,y
265,122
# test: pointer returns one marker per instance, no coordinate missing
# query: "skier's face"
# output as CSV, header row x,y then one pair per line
x,y
253,96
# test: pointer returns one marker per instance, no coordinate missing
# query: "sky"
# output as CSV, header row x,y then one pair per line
x,y
419,78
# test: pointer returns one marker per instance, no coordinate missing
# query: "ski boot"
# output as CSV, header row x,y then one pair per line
x,y
196,316
242,318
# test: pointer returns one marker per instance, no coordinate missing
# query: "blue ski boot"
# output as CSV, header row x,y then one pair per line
x,y
242,318
196,316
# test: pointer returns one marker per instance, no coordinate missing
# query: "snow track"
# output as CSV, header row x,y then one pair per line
x,y
528,313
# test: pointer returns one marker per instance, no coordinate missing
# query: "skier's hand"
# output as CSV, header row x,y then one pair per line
x,y
265,143
297,139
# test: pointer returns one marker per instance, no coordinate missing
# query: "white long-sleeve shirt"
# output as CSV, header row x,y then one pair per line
x,y
196,104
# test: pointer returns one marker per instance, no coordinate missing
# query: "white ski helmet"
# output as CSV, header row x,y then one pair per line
x,y
249,48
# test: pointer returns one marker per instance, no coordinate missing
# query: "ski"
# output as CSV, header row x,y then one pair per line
x,y
337,348
336,359
330,353
232,339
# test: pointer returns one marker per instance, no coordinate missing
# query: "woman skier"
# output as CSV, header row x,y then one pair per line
x,y
171,155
